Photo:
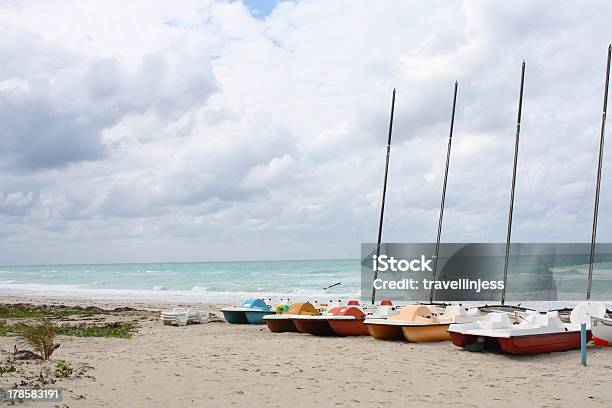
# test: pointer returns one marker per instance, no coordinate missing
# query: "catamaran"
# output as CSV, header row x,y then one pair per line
x,y
533,332
423,322
600,326
433,327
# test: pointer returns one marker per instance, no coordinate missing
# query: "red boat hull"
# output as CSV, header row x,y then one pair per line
x,y
349,327
462,340
319,327
601,342
541,343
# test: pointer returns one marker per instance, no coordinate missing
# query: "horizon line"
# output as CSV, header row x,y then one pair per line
x,y
182,262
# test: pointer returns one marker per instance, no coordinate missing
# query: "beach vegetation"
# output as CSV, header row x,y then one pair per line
x,y
7,329
62,370
7,369
122,330
22,312
119,330
40,336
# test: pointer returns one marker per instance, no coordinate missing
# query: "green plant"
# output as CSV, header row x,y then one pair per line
x,y
62,370
7,329
7,369
11,312
117,329
40,337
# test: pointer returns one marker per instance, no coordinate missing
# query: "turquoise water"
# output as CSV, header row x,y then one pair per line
x,y
231,282
201,281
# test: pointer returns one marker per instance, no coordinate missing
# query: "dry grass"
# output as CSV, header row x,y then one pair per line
x,y
40,337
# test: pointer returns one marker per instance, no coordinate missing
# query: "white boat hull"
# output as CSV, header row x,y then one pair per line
x,y
601,328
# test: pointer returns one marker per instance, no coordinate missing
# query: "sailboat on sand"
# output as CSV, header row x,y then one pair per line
x,y
533,332
422,328
424,322
600,326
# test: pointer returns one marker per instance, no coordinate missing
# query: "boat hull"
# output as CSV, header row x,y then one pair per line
x,y
235,317
425,333
349,327
602,331
462,340
385,332
257,316
543,343
284,322
534,344
601,342
319,327
281,325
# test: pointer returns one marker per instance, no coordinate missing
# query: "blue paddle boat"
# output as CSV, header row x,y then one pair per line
x,y
252,311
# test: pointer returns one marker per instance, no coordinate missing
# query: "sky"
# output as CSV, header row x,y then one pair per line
x,y
261,8
201,130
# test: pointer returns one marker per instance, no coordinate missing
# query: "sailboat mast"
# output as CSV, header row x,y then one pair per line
x,y
516,148
448,152
384,192
597,187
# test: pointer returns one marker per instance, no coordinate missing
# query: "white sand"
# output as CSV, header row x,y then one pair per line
x,y
220,365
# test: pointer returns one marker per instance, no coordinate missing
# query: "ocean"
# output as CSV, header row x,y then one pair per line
x,y
218,282
232,282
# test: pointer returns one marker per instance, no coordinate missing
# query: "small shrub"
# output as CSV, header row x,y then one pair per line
x,y
40,337
62,370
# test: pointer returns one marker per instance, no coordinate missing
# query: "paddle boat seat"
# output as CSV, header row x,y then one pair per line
x,y
549,320
383,311
414,313
459,314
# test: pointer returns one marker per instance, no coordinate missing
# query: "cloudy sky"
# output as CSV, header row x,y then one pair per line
x,y
202,130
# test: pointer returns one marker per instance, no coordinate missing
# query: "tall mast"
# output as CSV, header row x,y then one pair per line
x,y
516,148
597,187
384,192
448,152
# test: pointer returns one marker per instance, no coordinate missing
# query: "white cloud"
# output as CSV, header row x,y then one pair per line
x,y
193,130
270,174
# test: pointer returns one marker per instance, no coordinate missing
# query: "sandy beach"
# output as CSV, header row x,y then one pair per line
x,y
217,365
447,166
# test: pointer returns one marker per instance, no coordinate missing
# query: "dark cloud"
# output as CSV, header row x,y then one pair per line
x,y
54,115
